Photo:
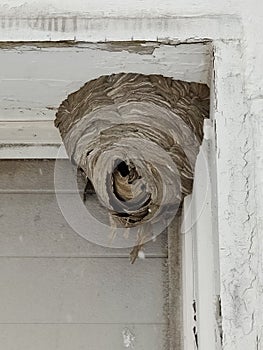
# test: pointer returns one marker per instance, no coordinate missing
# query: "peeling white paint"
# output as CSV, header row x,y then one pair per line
x,y
33,92
239,123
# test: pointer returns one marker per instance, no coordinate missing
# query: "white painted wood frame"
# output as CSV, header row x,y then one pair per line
x,y
202,323
37,78
235,200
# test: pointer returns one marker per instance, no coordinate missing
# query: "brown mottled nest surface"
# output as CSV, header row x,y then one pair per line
x,y
136,138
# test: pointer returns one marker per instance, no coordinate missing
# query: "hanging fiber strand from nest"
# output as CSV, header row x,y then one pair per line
x,y
136,138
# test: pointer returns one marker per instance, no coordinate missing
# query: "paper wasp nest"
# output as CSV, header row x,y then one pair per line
x,y
136,137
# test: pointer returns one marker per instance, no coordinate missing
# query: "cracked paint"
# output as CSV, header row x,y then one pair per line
x,y
237,229
239,124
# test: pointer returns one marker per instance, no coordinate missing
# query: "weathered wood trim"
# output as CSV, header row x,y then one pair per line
x,y
237,224
239,280
16,27
30,96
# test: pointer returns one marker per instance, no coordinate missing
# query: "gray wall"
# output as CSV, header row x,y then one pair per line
x,y
59,291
